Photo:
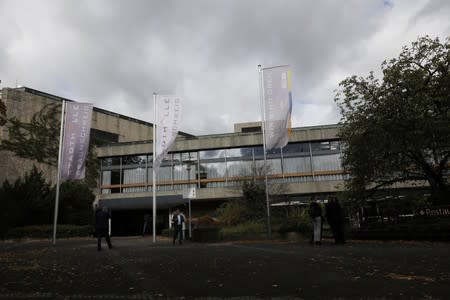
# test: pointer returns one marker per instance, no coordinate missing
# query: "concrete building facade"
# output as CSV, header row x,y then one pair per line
x,y
214,165
23,103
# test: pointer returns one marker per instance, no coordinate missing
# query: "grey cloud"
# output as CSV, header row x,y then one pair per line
x,y
117,53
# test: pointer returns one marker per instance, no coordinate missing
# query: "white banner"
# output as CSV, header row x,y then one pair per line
x,y
77,127
277,105
168,109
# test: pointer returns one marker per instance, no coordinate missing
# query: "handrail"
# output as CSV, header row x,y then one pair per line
x,y
223,179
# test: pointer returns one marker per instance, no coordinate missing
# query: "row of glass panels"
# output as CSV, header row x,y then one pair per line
x,y
297,162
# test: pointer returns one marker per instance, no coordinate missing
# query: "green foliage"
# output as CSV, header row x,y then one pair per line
x,y
75,202
298,221
25,202
2,113
46,231
398,129
231,213
37,140
251,207
254,200
251,229
30,201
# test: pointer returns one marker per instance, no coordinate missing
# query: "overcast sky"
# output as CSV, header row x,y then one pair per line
x,y
115,54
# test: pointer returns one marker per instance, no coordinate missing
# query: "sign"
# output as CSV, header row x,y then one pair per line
x,y
278,105
167,125
77,127
190,193
434,211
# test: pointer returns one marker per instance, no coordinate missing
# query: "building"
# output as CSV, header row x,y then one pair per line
x,y
24,103
214,166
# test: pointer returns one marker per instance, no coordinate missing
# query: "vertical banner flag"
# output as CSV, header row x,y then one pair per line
x,y
168,109
278,105
77,127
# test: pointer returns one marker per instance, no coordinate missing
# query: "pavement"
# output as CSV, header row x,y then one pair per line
x,y
137,268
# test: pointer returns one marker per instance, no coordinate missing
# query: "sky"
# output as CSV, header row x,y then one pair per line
x,y
117,53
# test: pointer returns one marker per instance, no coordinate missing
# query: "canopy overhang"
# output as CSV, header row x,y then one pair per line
x,y
142,202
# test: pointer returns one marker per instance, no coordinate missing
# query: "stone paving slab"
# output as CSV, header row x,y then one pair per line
x,y
136,268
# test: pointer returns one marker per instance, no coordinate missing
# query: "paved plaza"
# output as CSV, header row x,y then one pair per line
x,y
138,269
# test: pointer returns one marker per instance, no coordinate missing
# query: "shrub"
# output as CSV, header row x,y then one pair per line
x,y
46,231
299,222
231,213
205,221
246,230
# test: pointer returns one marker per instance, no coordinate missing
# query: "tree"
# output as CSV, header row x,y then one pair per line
x,y
39,140
253,205
75,202
2,113
31,200
26,202
397,129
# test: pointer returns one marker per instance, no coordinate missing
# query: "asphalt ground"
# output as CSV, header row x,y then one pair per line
x,y
138,269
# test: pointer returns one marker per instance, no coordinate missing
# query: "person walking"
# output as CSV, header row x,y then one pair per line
x,y
315,213
102,217
146,220
177,224
335,219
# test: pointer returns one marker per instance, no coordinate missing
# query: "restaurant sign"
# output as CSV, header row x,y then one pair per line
x,y
434,211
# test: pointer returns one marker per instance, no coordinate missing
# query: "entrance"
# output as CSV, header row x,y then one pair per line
x,y
131,222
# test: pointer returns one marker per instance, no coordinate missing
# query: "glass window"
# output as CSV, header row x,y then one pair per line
x,y
165,173
246,153
106,180
240,168
259,151
296,165
111,162
212,154
134,176
115,180
185,172
213,170
273,166
296,149
327,162
176,158
134,160
325,146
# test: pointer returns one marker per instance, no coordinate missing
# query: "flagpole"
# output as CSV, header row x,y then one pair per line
x,y
153,168
263,127
58,176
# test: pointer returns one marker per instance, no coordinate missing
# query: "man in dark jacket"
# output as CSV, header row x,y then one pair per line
x,y
177,223
335,219
102,217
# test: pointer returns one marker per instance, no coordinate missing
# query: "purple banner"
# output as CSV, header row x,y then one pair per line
x,y
77,127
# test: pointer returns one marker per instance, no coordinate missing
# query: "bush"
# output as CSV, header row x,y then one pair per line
x,y
31,200
46,231
245,230
206,221
231,213
300,222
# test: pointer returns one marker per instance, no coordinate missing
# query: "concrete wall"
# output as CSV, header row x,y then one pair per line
x,y
205,142
217,194
23,103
